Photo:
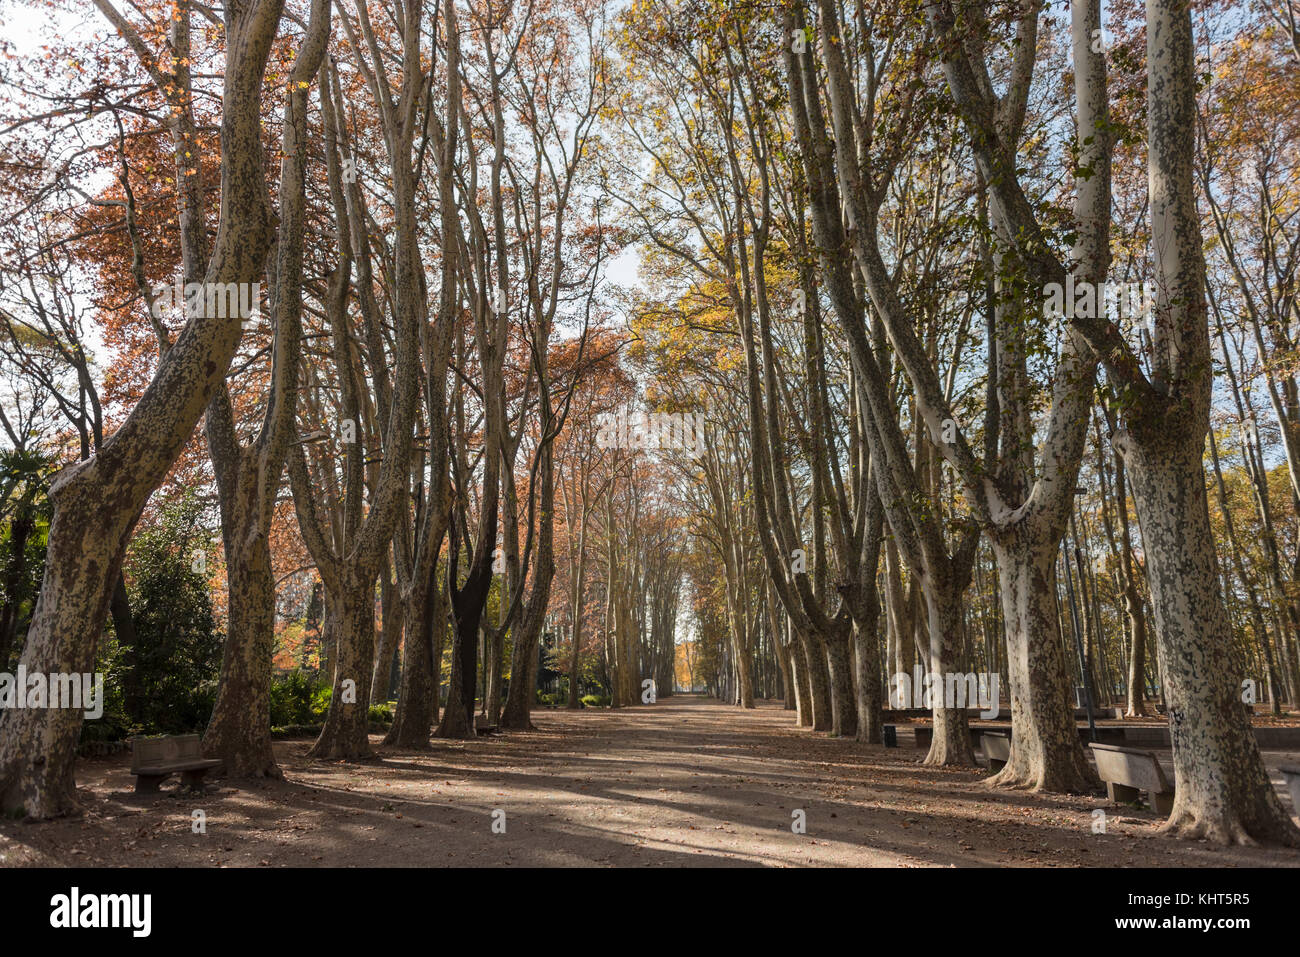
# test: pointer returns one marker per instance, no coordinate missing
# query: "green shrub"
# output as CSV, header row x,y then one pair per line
x,y
24,533
320,700
115,724
292,697
167,682
595,701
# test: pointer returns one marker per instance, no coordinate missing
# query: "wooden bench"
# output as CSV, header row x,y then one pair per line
x,y
153,760
1130,771
1291,775
481,725
997,748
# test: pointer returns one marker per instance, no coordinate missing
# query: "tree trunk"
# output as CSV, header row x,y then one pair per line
x,y
1137,630
575,603
329,641
1222,792
523,659
951,742
417,697
744,666
391,612
819,681
239,732
788,691
1046,753
799,684
494,651
98,502
458,717
844,715
868,681
345,735
39,746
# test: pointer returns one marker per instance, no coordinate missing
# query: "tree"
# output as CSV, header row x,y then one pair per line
x,y
97,502
248,476
349,563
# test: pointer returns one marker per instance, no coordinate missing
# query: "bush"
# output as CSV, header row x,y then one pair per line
x,y
115,723
293,696
595,701
320,701
174,665
24,533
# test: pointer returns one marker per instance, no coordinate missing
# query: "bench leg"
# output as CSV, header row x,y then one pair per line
x,y
193,780
148,783
1162,802
1122,793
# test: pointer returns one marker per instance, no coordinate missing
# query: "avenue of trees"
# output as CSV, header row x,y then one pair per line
x,y
964,340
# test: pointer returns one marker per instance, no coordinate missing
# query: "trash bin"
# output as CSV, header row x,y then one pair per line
x,y
890,734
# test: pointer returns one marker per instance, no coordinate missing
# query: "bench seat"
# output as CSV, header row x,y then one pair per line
x,y
1291,775
153,760
1128,772
997,748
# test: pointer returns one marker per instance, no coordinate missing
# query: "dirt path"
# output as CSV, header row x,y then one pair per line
x,y
685,781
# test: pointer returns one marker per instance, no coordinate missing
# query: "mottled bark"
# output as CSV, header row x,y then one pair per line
x,y
1026,513
900,607
389,635
349,559
951,742
1134,613
839,661
38,747
493,641
1222,790
523,662
742,652
819,680
345,735
869,699
98,502
467,603
417,707
1137,631
1046,753
529,615
248,477
799,685
239,731
787,690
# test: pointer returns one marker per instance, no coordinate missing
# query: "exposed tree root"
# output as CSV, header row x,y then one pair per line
x,y
1226,830
1070,779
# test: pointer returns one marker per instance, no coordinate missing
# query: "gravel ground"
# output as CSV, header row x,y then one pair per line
x,y
686,781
